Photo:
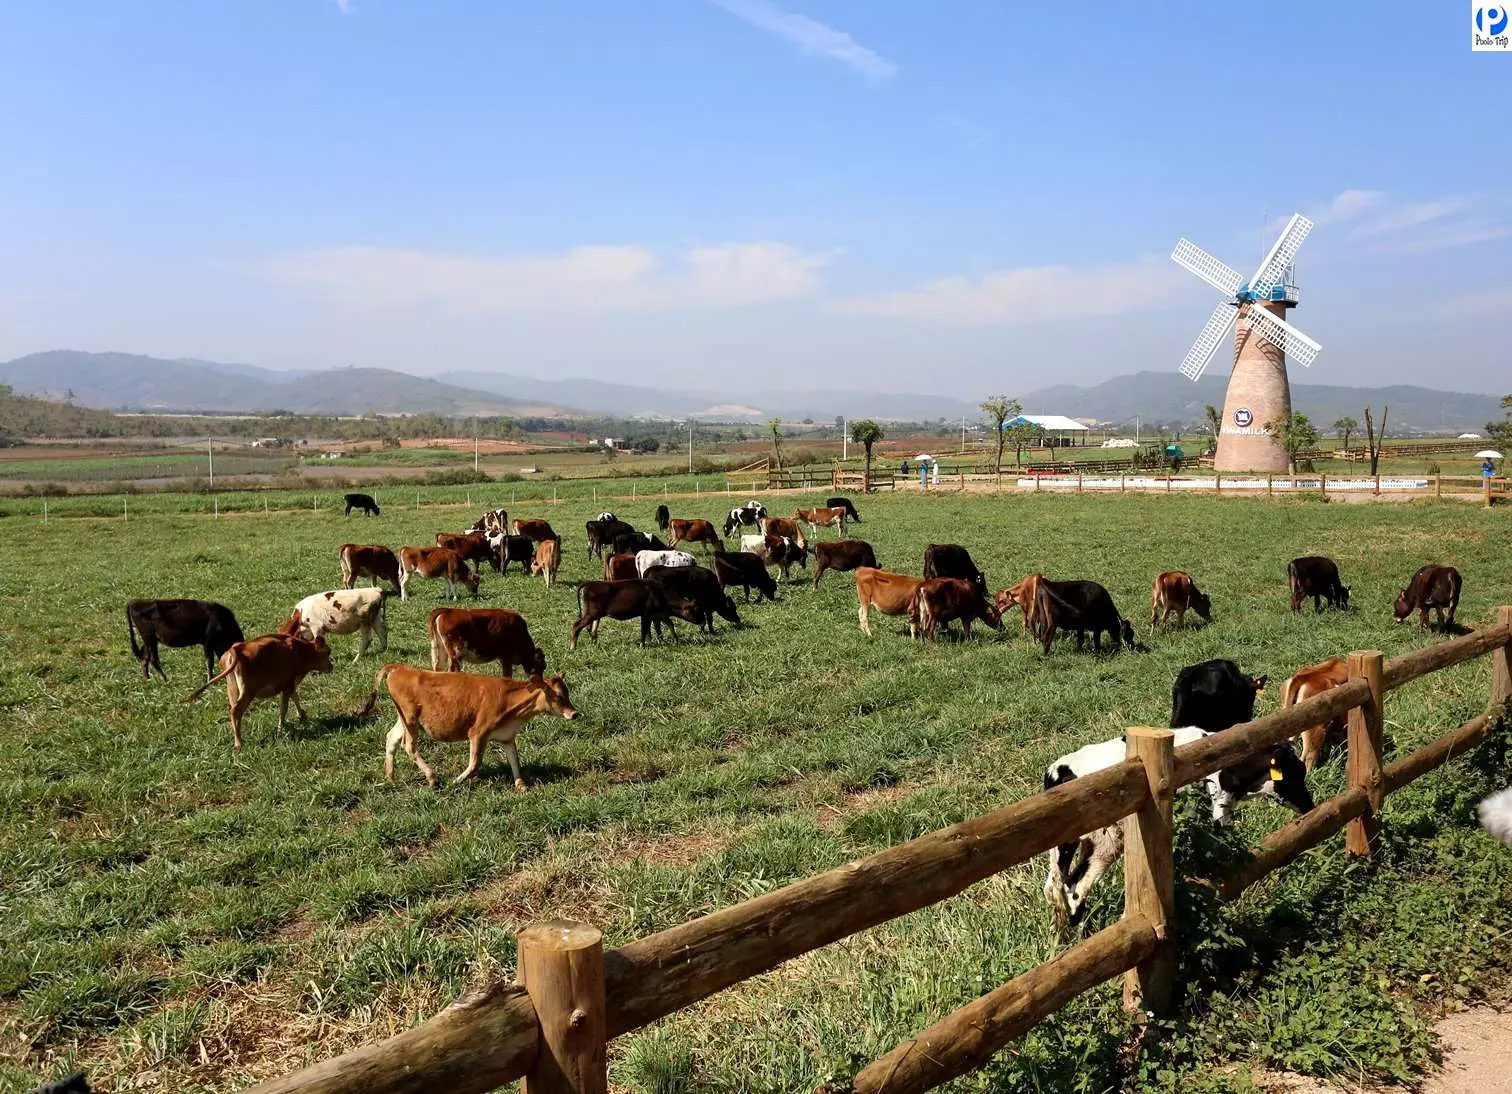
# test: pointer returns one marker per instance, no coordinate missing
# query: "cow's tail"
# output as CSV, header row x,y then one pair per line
x,y
920,612
136,650
233,662
372,700
1289,693
437,647
346,566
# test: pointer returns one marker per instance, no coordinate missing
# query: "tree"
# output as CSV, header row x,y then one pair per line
x,y
775,425
866,433
1000,409
1021,436
1344,427
1214,420
1296,434
1501,431
1374,439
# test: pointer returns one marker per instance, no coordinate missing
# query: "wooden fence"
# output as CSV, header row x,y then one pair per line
x,y
551,1028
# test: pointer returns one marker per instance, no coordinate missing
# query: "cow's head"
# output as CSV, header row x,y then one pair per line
x,y
1403,606
727,610
535,661
554,695
1126,632
1257,684
989,612
1202,604
320,660
470,579
1343,596
291,625
1275,773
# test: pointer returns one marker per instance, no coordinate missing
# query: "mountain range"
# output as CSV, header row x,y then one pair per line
x,y
120,381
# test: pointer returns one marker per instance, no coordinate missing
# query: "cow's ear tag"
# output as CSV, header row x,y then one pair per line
x,y
1275,774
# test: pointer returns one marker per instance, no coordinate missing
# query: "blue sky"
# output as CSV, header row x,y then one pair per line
x,y
955,197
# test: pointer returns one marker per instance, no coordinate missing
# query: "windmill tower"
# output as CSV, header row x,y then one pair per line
x,y
1258,392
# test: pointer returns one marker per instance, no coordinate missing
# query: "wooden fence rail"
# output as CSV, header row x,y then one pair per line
x,y
551,1029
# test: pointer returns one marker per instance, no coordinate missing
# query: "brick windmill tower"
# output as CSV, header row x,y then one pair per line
x,y
1258,392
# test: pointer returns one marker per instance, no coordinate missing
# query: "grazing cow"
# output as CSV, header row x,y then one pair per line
x,y
602,533
548,558
464,706
481,635
433,562
179,623
1076,867
1080,606
537,530
780,551
1307,683
840,501
1316,577
472,547
493,522
1022,595
627,543
843,555
1433,586
1175,591
623,600
364,502
644,560
823,517
744,569
694,531
374,561
941,599
952,560
782,526
342,611
1214,695
663,518
890,594
619,567
509,549
701,587
274,664
749,515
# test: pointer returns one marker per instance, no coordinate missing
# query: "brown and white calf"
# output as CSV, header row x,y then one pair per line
x,y
548,558
1305,684
481,635
434,562
694,531
888,593
273,665
942,599
464,706
368,560
535,529
823,517
1175,591
783,527
1020,594
471,546
342,611
1433,586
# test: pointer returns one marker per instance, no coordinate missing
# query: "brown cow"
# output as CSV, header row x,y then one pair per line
x,y
890,594
1433,586
1175,591
638,599
843,555
1305,684
481,635
376,562
261,668
823,517
695,531
783,527
471,547
435,562
620,567
537,530
548,557
464,706
1021,594
941,599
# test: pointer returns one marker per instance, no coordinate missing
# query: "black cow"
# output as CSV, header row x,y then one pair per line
x,y
1080,606
1433,586
519,549
951,560
700,586
628,543
178,623
839,501
1316,577
1214,695
844,555
364,502
603,532
744,569
636,599
663,517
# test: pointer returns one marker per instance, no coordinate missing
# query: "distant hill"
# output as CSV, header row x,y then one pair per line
x,y
124,381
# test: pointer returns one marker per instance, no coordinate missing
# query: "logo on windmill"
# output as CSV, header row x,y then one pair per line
x,y
1489,30
1258,390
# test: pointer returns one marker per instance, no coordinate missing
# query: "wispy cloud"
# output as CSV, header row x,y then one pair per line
x,y
1026,294
582,279
1484,304
1452,235
811,36
346,6
1381,222
1411,215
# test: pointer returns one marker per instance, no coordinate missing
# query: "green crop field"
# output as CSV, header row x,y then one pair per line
x,y
173,915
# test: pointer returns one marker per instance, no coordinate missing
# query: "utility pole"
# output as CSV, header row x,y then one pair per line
x,y
844,439
1136,429
210,448
690,446
475,450
963,434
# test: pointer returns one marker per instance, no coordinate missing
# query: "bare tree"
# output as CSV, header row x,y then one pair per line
x,y
775,425
1374,439
1000,409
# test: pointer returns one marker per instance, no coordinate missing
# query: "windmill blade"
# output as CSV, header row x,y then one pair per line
x,y
1282,252
1281,334
1222,277
1213,335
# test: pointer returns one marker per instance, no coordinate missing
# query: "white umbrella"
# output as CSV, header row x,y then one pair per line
x,y
924,456
1488,454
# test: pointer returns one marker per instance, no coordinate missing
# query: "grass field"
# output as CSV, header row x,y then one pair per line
x,y
171,914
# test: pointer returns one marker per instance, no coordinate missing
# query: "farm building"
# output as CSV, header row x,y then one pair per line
x,y
1059,430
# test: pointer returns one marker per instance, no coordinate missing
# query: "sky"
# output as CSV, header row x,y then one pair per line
x,y
956,198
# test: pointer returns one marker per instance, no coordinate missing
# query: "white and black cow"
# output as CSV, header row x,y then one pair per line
x,y
644,560
749,515
1076,867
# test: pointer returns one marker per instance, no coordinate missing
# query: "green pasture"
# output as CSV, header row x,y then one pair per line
x,y
172,914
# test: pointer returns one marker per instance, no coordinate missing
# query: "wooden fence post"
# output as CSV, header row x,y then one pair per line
x,y
562,969
1149,873
1270,486
1322,483
1378,484
1486,490
1364,765
1438,485
1218,484
1079,483
1501,663
1168,480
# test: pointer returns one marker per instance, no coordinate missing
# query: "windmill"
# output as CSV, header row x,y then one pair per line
x,y
1258,392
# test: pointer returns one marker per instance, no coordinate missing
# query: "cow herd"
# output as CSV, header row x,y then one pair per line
x,y
650,581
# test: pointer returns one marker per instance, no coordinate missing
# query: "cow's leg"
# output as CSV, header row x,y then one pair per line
x,y
577,627
298,706
209,663
1181,617
240,701
380,626
283,709
151,645
477,741
404,576
362,641
865,627
514,762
